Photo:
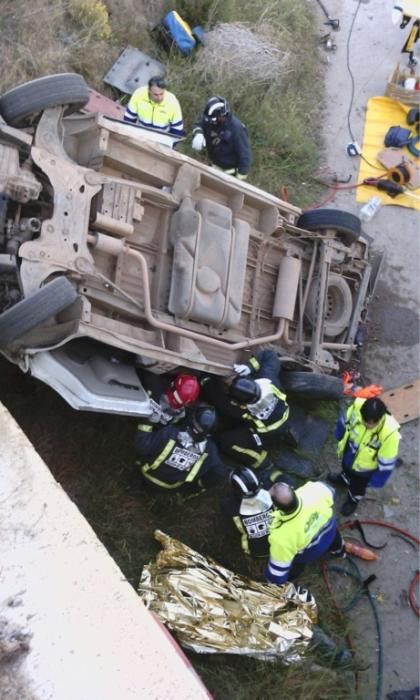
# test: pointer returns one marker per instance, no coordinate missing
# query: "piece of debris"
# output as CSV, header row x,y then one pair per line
x,y
403,402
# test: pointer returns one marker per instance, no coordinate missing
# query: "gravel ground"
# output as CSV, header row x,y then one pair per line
x,y
370,44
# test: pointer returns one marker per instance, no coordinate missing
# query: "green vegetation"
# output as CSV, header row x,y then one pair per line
x,y
92,456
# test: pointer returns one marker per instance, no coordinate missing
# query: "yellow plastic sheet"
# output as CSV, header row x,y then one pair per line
x,y
382,113
410,7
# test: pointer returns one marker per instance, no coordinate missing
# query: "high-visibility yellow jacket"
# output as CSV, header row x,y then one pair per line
x,y
365,450
162,116
304,534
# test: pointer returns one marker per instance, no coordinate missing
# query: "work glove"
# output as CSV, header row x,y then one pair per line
x,y
198,141
242,370
396,14
240,176
304,595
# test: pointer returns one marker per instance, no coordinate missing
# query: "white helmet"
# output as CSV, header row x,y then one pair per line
x,y
245,482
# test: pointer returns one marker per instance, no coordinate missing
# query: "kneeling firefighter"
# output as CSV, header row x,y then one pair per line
x,y
181,457
250,507
257,400
169,402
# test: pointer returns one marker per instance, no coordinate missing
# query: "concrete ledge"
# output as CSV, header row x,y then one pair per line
x,y
92,638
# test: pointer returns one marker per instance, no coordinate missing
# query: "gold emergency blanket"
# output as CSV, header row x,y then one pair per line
x,y
212,610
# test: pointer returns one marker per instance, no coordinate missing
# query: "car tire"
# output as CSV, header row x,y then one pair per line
x,y
35,309
312,385
18,105
348,226
339,305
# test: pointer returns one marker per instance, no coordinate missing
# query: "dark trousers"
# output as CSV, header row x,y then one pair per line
x,y
336,547
244,447
357,483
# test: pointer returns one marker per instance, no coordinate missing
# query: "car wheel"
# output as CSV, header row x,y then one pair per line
x,y
35,309
347,226
311,385
339,305
19,105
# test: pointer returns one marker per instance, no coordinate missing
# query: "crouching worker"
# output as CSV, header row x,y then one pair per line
x,y
368,440
261,405
181,457
168,403
303,528
250,506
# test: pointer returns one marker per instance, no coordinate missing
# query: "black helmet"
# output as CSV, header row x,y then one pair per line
x,y
245,482
372,410
202,421
245,390
216,108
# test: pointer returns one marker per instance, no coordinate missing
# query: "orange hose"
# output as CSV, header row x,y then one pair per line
x,y
411,594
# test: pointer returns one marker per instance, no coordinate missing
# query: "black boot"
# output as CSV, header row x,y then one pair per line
x,y
349,507
335,478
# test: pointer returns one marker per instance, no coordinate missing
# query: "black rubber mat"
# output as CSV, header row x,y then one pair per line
x,y
310,431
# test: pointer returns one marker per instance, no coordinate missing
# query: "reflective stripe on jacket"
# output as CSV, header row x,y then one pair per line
x,y
304,534
227,144
253,521
182,466
162,116
265,365
168,464
366,449
270,424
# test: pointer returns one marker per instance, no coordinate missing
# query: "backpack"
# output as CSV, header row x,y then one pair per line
x,y
174,31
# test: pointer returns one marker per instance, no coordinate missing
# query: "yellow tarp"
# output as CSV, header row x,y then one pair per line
x,y
382,113
410,7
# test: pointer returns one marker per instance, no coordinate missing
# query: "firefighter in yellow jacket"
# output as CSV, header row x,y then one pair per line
x,y
368,439
154,107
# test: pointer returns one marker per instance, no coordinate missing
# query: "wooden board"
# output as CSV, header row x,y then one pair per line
x,y
403,402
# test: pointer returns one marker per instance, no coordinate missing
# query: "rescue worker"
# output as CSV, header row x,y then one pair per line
x,y
368,440
225,138
257,401
154,107
181,457
250,506
303,527
168,402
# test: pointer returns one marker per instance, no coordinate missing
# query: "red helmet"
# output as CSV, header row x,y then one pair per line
x,y
183,390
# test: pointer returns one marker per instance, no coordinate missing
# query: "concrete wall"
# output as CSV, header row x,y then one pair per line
x,y
92,638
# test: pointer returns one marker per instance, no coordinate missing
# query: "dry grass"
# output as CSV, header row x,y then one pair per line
x,y
76,36
239,52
